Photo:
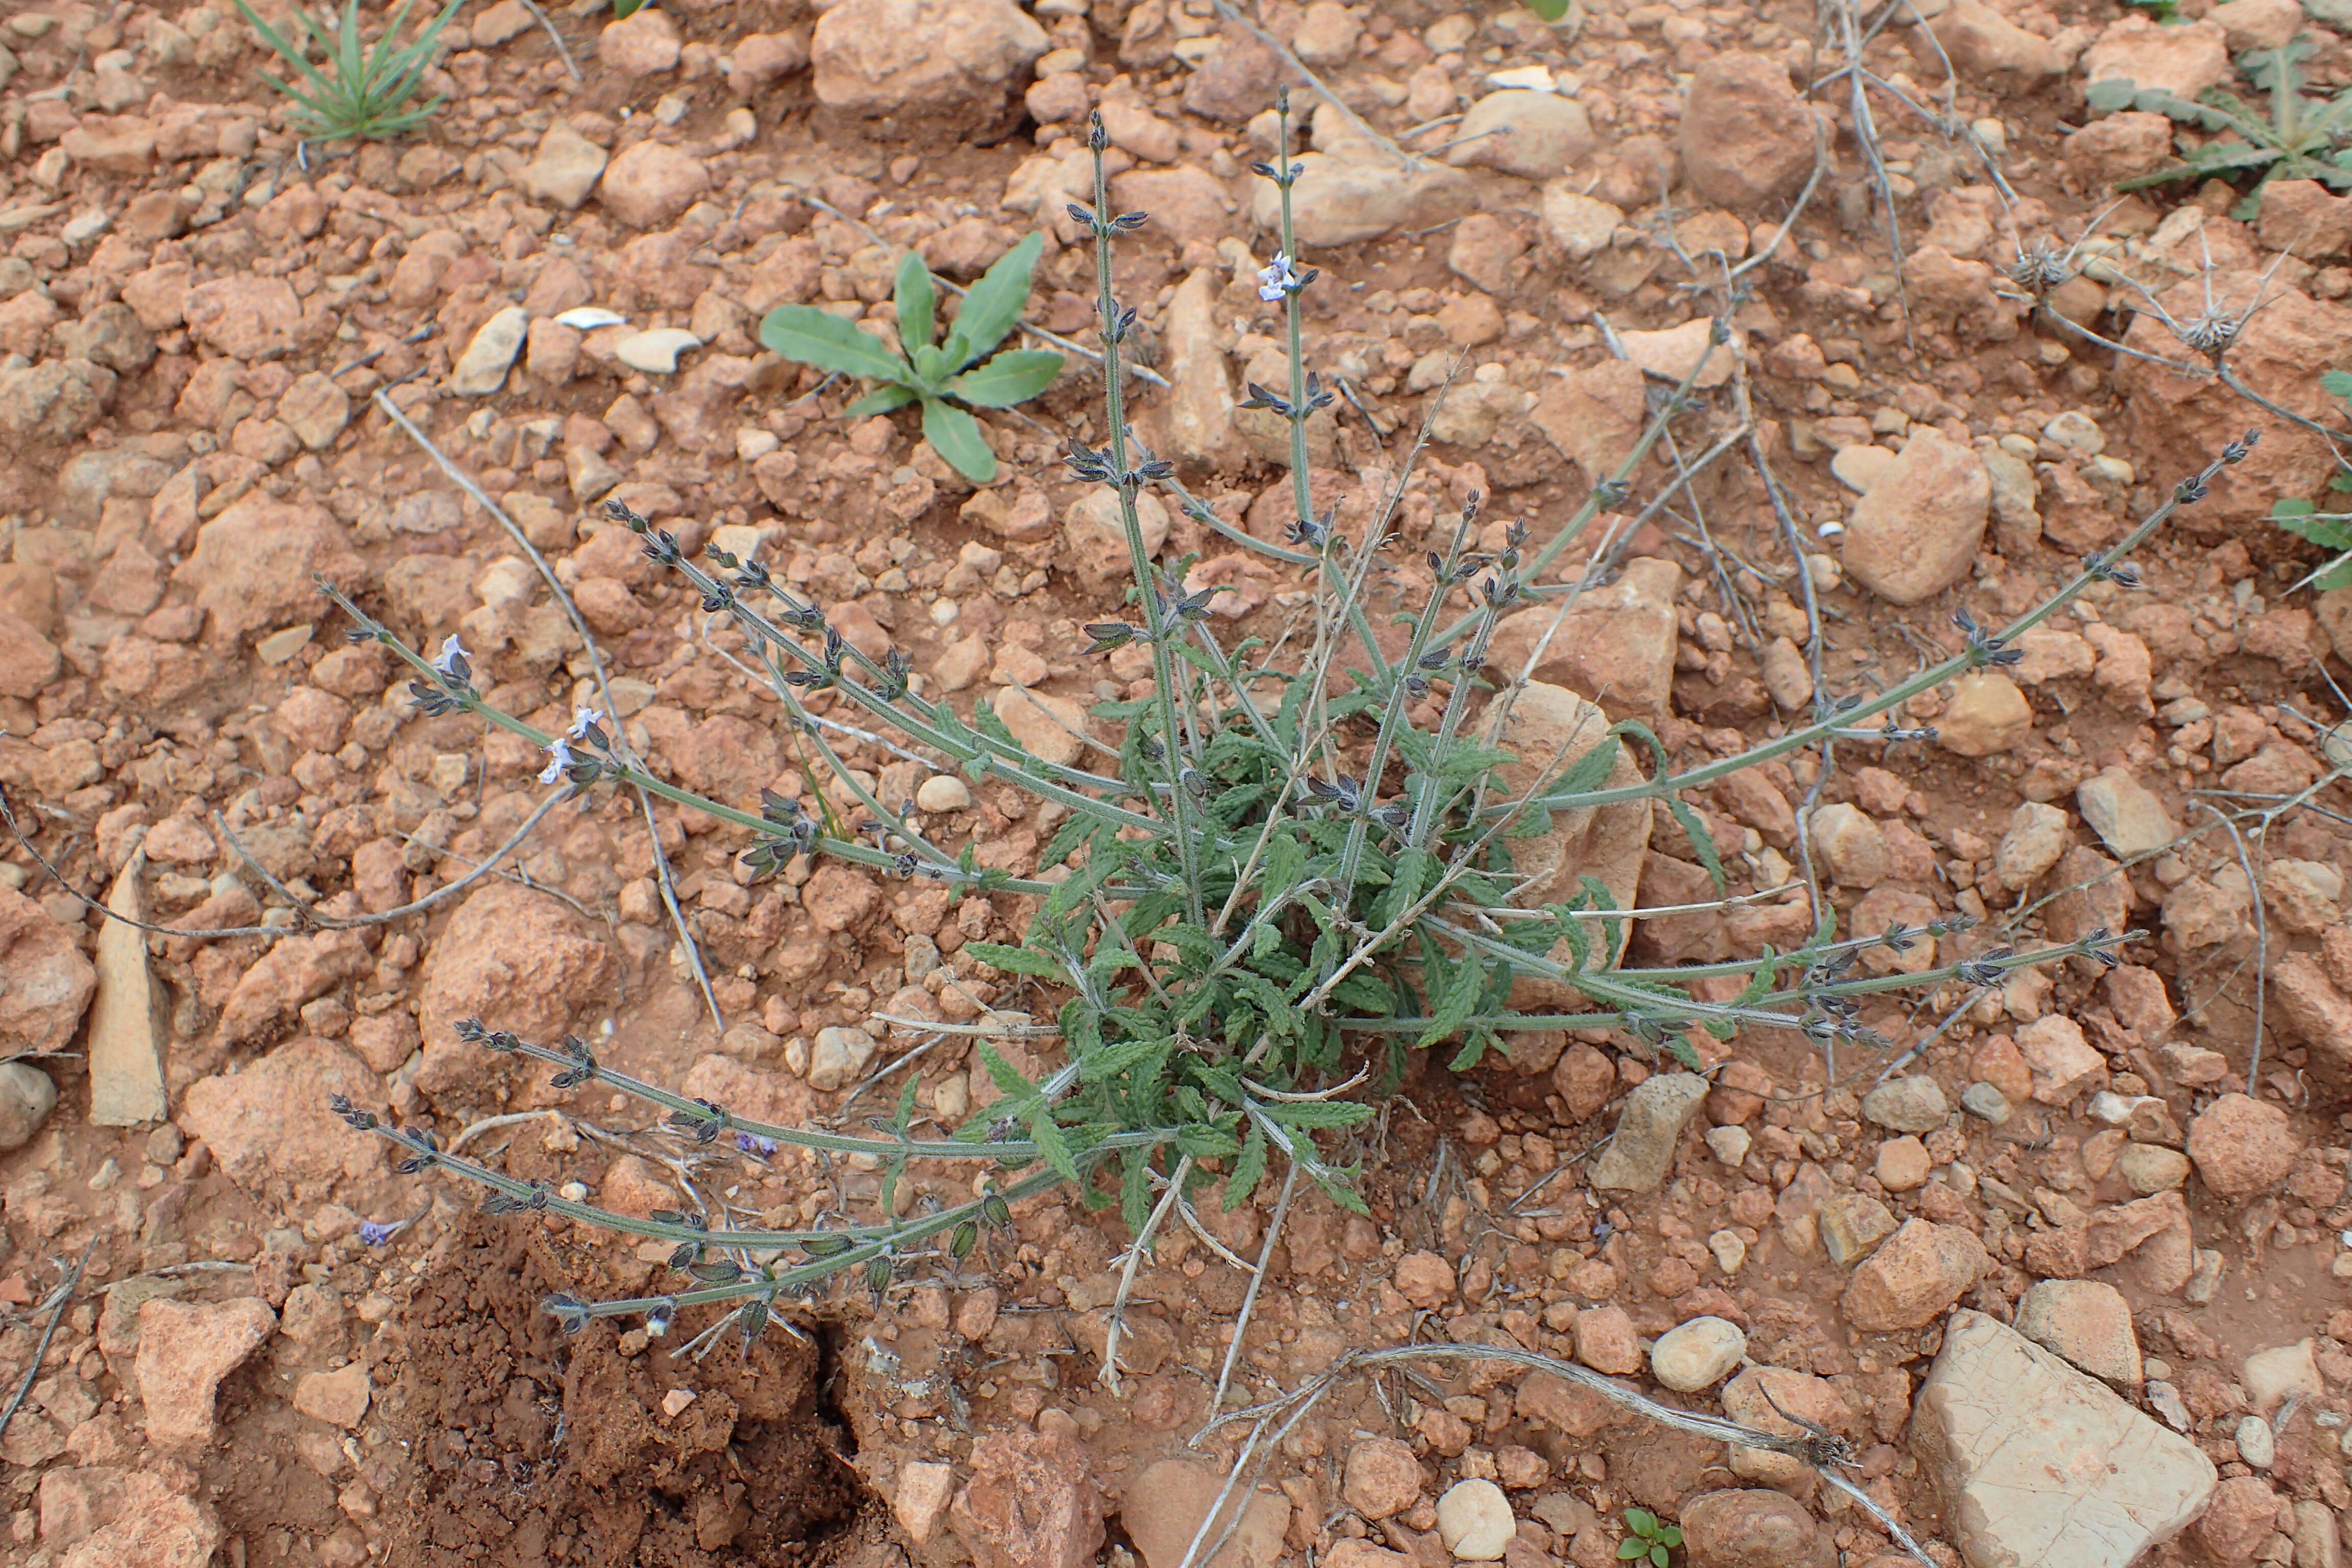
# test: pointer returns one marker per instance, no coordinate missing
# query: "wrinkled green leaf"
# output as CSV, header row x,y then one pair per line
x,y
1701,839
1249,1169
955,436
1135,1190
1016,960
994,303
1007,1078
810,336
1013,376
916,300
1050,1142
1461,999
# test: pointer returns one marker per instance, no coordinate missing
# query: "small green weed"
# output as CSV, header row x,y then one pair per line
x,y
2329,530
926,371
367,96
2300,138
1653,1537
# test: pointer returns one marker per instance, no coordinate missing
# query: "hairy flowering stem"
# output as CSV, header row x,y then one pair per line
x,y
1125,484
459,697
2186,493
1445,572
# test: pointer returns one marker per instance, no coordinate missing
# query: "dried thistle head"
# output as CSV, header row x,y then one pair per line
x,y
2041,268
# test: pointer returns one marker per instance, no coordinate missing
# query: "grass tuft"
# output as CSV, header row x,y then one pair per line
x,y
364,94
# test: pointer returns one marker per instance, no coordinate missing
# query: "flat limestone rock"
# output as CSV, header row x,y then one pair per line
x,y
126,1058
2042,1467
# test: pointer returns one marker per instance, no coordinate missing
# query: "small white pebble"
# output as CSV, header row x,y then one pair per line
x,y
943,792
656,350
1697,1355
2256,1443
1474,1521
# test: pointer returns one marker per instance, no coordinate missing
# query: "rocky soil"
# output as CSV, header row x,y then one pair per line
x,y
2075,1281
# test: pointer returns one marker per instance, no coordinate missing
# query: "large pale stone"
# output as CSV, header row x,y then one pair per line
x,y
1915,532
1341,202
1641,1152
1550,728
1050,727
126,1057
2042,1467
1618,642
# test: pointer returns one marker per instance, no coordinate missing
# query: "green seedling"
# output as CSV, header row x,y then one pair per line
x,y
2299,138
2329,530
1653,1537
939,375
367,95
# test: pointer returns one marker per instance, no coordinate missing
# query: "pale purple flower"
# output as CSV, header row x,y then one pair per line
x,y
582,721
375,1233
558,760
751,1143
1276,278
451,653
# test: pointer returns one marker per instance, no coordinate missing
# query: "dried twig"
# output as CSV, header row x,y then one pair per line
x,y
621,747
56,1306
1258,1283
308,918
1823,1451
2261,946
1127,1263
561,48
1355,120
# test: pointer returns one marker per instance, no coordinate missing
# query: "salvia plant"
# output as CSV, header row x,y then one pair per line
x,y
1288,872
941,376
364,93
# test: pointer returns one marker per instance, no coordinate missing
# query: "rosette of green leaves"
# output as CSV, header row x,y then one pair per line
x,y
2298,138
948,377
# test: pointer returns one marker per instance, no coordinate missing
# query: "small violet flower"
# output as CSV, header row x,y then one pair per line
x,y
1276,278
583,719
375,1233
452,653
752,1144
558,760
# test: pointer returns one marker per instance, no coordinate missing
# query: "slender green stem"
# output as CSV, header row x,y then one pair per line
x,y
840,849
1156,620
697,1112
1894,696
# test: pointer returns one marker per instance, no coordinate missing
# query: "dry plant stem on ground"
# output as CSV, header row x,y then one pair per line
x,y
663,879
1821,1450
1350,912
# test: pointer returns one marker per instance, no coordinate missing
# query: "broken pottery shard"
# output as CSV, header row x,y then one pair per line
x,y
126,1060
